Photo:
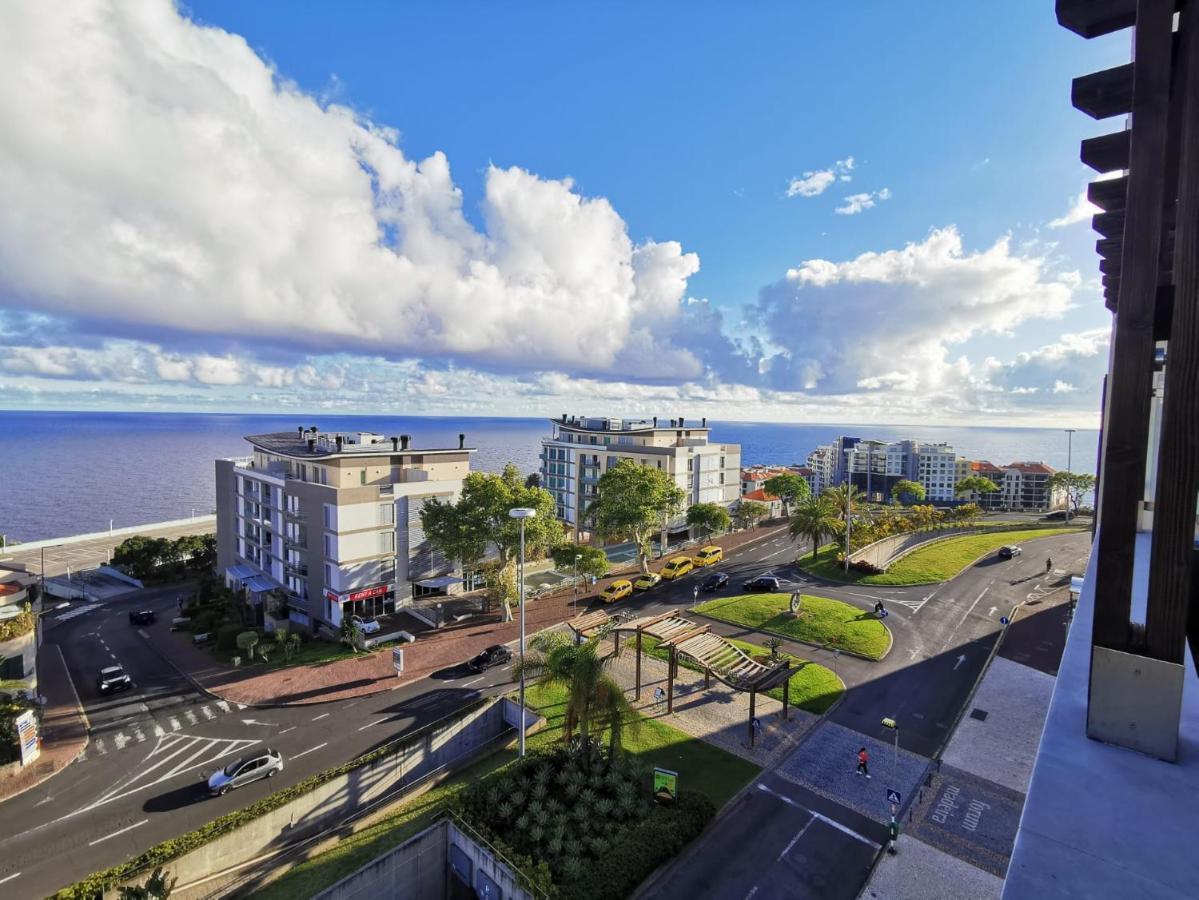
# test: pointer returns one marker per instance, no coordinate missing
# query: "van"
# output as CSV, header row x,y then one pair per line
x,y
709,556
677,567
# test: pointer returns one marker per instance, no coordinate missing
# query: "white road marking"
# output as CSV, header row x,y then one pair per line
x,y
208,713
753,890
842,828
191,717
115,833
310,750
113,655
159,731
285,730
100,746
795,840
240,705
142,632
371,724
186,764
10,877
321,716
175,726
120,739
137,734
223,705
475,681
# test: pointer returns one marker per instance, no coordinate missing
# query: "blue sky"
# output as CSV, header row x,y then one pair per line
x,y
683,123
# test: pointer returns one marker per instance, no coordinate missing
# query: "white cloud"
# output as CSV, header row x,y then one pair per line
x,y
815,183
888,320
1080,210
856,203
159,174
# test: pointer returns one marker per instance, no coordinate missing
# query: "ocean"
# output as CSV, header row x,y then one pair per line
x,y
67,473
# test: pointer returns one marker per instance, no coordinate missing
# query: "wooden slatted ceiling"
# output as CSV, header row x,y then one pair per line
x,y
1092,18
589,623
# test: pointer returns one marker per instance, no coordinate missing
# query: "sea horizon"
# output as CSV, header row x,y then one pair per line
x,y
72,471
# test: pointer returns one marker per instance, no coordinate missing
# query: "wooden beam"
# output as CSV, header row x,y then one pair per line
x,y
674,658
1126,421
1110,195
1108,152
1104,94
637,695
1172,553
753,697
1092,18
676,639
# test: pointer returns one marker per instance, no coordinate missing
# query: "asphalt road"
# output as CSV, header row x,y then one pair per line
x,y
141,778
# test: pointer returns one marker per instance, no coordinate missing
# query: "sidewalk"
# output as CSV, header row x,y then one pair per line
x,y
64,727
371,673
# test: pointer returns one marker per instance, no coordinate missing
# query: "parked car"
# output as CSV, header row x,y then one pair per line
x,y
677,567
366,626
763,584
142,617
496,655
262,764
715,581
1010,551
617,590
645,582
113,679
709,556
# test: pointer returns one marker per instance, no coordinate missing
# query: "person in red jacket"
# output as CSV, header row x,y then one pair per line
x,y
863,761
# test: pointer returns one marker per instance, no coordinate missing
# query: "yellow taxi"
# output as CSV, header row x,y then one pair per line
x,y
647,581
709,556
617,590
677,567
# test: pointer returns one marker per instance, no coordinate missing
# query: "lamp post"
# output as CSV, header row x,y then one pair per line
x,y
522,513
578,556
894,726
1069,465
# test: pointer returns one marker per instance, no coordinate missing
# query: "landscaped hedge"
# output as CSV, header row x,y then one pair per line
x,y
94,886
20,624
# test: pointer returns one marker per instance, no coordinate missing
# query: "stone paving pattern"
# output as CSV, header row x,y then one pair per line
x,y
922,872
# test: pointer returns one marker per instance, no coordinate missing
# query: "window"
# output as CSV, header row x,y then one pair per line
x,y
362,476
330,516
690,464
330,546
387,514
387,542
330,575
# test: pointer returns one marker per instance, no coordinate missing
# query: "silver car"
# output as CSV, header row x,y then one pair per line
x,y
241,771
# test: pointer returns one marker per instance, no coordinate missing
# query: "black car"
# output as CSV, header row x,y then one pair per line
x,y
1009,552
141,617
113,679
763,583
715,581
497,655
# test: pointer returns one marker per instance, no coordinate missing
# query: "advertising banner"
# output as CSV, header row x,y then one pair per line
x,y
26,725
666,785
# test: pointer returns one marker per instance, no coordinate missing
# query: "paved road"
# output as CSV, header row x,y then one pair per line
x,y
140,780
88,554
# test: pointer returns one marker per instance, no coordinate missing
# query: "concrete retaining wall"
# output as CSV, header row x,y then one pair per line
x,y
341,798
116,532
885,552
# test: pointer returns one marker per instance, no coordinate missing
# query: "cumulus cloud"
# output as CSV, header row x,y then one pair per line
x,y
889,319
856,203
162,173
1080,210
815,183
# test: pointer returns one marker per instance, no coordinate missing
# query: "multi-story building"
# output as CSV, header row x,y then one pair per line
x,y
331,522
822,463
990,500
580,449
18,654
875,466
1026,487
936,467
753,477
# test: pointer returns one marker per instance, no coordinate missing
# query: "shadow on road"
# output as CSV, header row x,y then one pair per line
x,y
178,798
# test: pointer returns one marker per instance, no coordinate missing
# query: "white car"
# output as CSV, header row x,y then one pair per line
x,y
366,626
241,771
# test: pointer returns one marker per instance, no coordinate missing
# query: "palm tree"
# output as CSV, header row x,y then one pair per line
x,y
594,701
813,518
848,499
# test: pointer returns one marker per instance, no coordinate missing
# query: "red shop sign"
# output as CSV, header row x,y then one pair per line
x,y
365,594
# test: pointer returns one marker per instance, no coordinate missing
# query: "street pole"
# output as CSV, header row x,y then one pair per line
x,y
848,518
893,724
578,556
522,513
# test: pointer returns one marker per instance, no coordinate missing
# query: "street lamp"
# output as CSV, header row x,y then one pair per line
x,y
578,556
894,726
522,513
1069,465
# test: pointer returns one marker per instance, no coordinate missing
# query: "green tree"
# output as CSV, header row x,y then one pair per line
x,y
199,550
847,499
156,887
906,492
592,561
533,480
975,484
815,518
632,503
708,517
140,556
594,701
287,641
789,488
349,634
748,513
1074,485
247,641
966,512
503,586
463,530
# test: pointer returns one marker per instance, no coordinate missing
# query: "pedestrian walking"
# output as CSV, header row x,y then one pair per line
x,y
1048,565
863,762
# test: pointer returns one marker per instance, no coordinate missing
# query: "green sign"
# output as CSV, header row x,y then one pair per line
x,y
666,785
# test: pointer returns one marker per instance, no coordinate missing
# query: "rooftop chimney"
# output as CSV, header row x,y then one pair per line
x,y
704,422
300,431
403,442
680,421
395,444
312,444
655,421
462,442
563,417
672,423
338,439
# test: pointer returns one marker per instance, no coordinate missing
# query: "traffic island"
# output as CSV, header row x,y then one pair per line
x,y
820,621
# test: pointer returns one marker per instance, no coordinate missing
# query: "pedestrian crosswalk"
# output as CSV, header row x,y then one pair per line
x,y
74,613
136,733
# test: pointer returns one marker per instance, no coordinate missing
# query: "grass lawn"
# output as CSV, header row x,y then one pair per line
x,y
939,561
813,687
823,621
311,652
701,767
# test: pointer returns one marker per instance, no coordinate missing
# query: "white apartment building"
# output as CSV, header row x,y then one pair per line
x,y
581,448
331,522
936,469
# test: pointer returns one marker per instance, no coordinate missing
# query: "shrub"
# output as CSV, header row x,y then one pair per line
x,y
20,624
226,636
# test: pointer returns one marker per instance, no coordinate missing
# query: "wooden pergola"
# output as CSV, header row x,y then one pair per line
x,y
684,637
1149,258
